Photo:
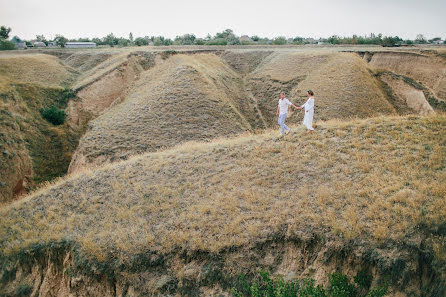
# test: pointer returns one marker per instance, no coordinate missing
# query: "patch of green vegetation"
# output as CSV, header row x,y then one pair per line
x,y
339,286
168,53
53,115
436,104
24,290
6,45
49,147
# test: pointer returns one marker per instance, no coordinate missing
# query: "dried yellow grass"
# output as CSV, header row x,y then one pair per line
x,y
379,180
41,69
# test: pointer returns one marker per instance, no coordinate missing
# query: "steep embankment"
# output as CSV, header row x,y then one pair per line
x,y
32,150
198,96
367,194
84,83
408,73
342,82
105,79
182,98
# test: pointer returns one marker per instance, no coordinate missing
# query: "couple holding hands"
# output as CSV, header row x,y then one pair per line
x,y
282,111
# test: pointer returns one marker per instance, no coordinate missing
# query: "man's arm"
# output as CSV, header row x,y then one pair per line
x,y
277,113
295,106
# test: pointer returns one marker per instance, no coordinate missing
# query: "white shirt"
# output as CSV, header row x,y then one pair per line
x,y
309,104
283,105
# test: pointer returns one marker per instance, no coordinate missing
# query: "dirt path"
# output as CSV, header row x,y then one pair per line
x,y
256,105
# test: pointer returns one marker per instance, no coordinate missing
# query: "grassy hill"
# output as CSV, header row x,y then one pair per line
x,y
32,150
366,193
168,105
343,84
234,89
182,98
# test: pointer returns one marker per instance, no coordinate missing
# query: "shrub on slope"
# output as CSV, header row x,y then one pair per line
x,y
32,150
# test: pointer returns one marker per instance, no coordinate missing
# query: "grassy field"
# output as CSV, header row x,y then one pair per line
x,y
377,180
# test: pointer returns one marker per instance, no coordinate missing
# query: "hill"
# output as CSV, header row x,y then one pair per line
x,y
32,150
220,101
223,91
182,98
343,83
363,193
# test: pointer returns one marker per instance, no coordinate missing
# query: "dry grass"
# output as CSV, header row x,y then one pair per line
x,y
343,84
375,180
426,69
40,69
183,98
93,74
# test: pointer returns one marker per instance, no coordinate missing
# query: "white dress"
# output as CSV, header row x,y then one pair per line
x,y
309,112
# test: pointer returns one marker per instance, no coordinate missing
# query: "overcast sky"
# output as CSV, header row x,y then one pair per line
x,y
290,18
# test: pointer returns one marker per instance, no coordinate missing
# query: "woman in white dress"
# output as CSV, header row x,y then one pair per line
x,y
309,111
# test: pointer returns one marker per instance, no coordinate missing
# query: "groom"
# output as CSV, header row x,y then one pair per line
x,y
282,111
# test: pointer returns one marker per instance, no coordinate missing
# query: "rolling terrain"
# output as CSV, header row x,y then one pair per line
x,y
363,193
168,178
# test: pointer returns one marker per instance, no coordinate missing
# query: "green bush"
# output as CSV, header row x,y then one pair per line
x,y
217,41
308,289
279,40
263,285
141,41
340,286
53,115
199,41
6,45
24,290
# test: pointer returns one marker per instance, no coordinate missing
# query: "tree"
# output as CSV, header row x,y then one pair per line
x,y
420,39
434,39
123,42
97,40
42,39
255,38
298,40
6,45
279,40
229,36
199,41
111,40
391,41
131,37
60,40
186,39
141,41
334,39
4,32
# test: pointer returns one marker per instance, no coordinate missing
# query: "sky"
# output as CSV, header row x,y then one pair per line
x,y
169,18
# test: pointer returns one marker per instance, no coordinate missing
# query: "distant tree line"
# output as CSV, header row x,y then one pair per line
x,y
226,37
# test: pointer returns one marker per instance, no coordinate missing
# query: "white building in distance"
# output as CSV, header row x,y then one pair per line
x,y
80,44
39,44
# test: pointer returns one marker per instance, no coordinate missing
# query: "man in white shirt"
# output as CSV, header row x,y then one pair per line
x,y
282,111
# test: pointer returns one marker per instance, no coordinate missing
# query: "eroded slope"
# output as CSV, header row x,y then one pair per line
x,y
342,82
367,193
32,150
182,98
